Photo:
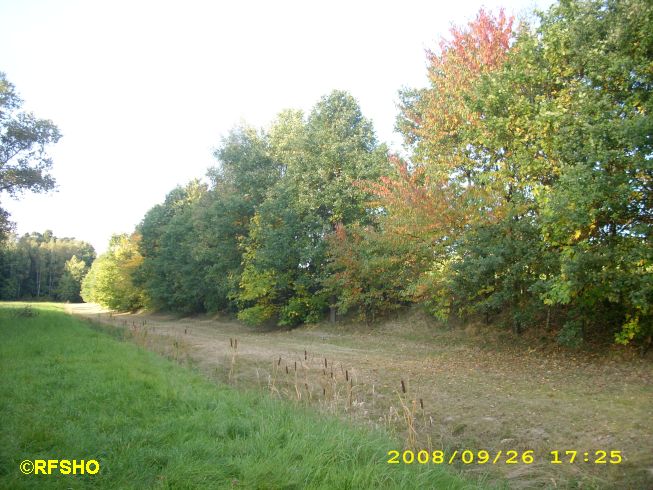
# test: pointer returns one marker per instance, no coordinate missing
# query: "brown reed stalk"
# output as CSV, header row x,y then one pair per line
x,y
421,405
409,418
409,415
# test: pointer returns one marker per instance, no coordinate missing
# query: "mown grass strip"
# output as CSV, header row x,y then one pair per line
x,y
70,392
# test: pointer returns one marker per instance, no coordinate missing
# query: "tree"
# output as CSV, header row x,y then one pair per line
x,y
339,147
285,259
599,215
110,280
544,148
24,162
450,185
246,170
170,271
36,265
369,270
71,280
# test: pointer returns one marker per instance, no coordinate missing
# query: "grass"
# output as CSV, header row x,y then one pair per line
x,y
71,392
466,389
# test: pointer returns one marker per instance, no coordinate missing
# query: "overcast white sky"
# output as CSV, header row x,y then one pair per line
x,y
142,91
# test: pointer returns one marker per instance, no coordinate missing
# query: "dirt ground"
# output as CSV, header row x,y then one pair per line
x,y
464,390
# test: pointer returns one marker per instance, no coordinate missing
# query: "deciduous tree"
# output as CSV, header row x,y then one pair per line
x,y
24,162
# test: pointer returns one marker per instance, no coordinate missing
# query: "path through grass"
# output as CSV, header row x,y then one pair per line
x,y
70,392
479,391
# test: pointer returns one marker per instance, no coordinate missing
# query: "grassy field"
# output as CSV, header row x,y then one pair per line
x,y
68,391
466,389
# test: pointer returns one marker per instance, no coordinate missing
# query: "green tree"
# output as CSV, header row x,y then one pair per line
x,y
24,162
170,271
285,259
191,242
543,147
110,280
34,265
570,113
246,170
71,280
599,214
282,262
15,269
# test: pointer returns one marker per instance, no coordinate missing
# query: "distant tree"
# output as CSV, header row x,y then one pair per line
x,y
71,281
34,266
24,163
15,268
110,281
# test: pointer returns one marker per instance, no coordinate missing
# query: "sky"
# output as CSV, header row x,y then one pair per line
x,y
143,91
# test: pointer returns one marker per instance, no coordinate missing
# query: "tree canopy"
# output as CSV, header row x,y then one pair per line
x,y
524,200
24,162
42,266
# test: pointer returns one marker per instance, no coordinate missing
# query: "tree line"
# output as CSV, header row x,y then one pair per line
x,y
524,199
36,265
43,267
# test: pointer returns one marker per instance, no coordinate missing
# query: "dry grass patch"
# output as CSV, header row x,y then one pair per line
x,y
461,389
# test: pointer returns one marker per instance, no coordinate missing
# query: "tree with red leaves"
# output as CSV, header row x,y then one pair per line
x,y
427,205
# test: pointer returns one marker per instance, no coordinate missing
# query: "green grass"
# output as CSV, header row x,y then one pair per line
x,y
71,392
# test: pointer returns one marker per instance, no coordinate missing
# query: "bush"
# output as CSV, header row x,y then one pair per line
x,y
571,334
302,309
257,315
